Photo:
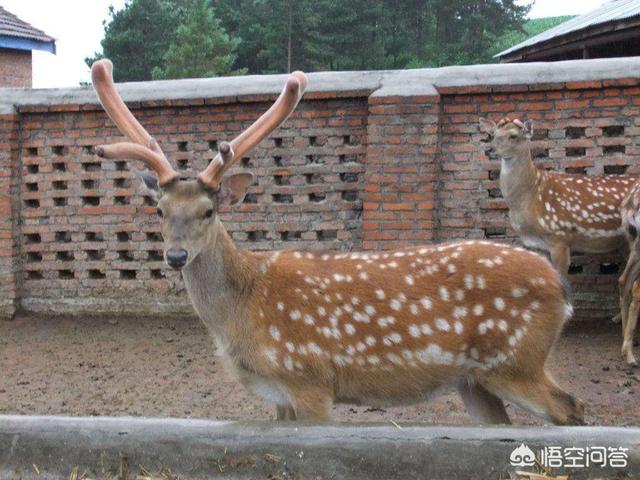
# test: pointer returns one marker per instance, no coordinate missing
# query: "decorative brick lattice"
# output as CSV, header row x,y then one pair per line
x,y
89,232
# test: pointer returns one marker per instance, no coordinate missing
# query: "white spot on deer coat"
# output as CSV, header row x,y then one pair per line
x,y
275,333
414,331
434,354
386,321
288,362
442,324
458,327
460,312
426,303
518,292
468,281
444,294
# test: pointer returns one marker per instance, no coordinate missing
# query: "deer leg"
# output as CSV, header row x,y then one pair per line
x,y
483,406
630,324
622,282
560,258
285,412
312,404
540,395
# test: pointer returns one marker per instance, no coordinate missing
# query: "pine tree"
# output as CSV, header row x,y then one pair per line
x,y
202,47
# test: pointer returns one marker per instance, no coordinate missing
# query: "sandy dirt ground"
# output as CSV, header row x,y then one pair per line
x,y
168,367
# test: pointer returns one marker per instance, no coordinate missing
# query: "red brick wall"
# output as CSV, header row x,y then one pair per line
x,y
353,168
15,68
9,215
401,169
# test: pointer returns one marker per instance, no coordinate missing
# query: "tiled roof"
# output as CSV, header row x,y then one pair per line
x,y
609,12
12,26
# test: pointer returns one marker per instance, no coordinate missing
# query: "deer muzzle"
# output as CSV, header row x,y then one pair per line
x,y
176,257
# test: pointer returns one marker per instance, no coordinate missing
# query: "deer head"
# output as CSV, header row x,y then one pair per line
x,y
507,138
188,209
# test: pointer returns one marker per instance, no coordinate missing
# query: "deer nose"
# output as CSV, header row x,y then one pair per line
x,y
488,151
176,257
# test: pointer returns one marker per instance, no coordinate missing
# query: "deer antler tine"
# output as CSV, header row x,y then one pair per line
x,y
226,152
133,151
261,128
212,175
144,146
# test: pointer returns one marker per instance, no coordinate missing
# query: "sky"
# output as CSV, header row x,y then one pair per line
x,y
77,27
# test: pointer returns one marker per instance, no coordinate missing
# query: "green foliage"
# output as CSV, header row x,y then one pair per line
x,y
137,37
221,37
202,47
464,32
530,29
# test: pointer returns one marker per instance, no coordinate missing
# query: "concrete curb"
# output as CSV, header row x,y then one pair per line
x,y
209,449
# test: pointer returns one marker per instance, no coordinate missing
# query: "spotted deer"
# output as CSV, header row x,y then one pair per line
x,y
630,279
552,211
303,330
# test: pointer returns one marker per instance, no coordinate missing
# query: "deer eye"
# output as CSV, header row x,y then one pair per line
x,y
159,212
208,213
513,136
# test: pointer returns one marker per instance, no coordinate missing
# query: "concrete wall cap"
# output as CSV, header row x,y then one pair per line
x,y
390,82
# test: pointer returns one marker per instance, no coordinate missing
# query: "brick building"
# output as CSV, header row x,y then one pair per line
x,y
369,160
17,40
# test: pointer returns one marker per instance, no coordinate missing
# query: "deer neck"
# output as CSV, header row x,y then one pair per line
x,y
518,179
219,281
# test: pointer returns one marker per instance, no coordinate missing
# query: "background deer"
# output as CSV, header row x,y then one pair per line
x,y
630,279
303,330
552,211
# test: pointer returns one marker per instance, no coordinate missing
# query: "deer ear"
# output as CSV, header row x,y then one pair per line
x,y
528,128
149,185
234,188
487,126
